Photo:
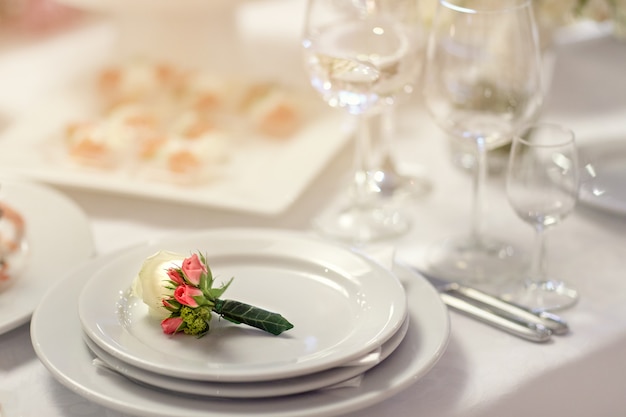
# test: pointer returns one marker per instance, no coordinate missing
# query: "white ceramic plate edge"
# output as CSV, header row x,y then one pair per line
x,y
428,330
59,236
298,385
376,284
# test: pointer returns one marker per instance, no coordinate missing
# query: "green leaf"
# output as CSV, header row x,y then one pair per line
x,y
174,305
239,312
206,279
215,293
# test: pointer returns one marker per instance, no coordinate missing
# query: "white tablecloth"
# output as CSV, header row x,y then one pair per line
x,y
484,372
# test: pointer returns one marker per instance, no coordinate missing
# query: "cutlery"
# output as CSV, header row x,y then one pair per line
x,y
512,318
554,323
524,329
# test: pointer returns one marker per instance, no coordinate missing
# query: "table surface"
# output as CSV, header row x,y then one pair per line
x,y
483,372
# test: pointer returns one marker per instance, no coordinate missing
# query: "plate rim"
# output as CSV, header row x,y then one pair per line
x,y
150,360
35,279
240,390
321,403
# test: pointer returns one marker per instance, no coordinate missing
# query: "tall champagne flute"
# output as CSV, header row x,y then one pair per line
x,y
482,81
542,186
355,52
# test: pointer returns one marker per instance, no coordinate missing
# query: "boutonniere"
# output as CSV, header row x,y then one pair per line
x,y
181,291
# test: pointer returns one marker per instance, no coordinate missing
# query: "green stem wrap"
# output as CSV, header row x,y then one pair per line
x,y
238,313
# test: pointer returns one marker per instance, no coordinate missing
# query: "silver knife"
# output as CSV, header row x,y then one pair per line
x,y
526,330
515,319
551,321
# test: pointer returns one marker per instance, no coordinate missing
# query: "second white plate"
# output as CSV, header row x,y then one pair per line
x,y
262,389
70,362
342,304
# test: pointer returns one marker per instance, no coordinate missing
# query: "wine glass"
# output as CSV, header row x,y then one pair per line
x,y
482,81
357,51
542,186
391,182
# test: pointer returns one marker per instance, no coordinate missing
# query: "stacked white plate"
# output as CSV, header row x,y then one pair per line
x,y
362,332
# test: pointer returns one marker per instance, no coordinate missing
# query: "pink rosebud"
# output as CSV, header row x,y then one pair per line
x,y
175,276
184,294
193,269
171,325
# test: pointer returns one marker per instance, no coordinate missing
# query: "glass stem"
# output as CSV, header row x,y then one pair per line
x,y
362,156
480,175
538,263
387,131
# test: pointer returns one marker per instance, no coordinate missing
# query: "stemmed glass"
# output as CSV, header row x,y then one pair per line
x,y
482,81
542,186
357,51
390,181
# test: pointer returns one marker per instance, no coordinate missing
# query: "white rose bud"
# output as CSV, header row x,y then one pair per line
x,y
152,280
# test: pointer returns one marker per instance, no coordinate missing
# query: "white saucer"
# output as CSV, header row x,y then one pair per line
x,y
59,238
262,389
70,362
604,175
342,305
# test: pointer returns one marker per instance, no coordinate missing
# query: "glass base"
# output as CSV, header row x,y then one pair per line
x,y
542,296
486,264
362,224
392,185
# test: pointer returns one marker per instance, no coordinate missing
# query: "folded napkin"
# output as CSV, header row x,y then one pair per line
x,y
353,382
371,358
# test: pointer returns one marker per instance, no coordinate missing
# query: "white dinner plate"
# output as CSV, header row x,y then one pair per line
x,y
604,175
262,389
70,362
58,237
342,305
